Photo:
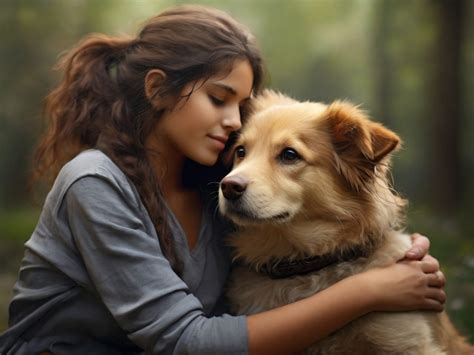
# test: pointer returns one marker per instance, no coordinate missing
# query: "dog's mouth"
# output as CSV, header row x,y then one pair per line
x,y
240,215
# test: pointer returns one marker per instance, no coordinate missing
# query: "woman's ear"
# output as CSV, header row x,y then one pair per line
x,y
153,81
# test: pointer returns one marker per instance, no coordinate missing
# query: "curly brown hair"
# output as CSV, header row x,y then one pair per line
x,y
101,102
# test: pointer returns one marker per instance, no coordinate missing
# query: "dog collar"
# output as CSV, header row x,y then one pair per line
x,y
287,268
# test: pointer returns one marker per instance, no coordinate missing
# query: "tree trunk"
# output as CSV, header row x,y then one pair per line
x,y
445,112
383,67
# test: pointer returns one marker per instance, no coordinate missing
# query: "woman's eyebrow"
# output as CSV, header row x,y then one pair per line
x,y
229,89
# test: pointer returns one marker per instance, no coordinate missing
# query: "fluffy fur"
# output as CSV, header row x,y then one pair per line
x,y
311,179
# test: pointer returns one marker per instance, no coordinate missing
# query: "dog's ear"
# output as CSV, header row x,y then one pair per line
x,y
353,134
383,141
359,143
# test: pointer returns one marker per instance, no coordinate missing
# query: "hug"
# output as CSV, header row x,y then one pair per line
x,y
192,211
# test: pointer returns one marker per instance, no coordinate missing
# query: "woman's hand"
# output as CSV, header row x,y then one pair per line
x,y
415,282
405,286
419,251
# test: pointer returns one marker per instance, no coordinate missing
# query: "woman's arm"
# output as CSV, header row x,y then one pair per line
x,y
399,287
133,279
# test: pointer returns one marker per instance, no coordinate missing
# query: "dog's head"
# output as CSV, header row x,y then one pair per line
x,y
305,160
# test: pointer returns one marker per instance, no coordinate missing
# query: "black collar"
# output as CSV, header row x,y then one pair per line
x,y
287,268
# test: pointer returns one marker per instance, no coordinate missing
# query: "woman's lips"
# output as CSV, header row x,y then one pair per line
x,y
219,140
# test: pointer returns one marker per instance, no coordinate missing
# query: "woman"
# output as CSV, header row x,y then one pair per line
x,y
128,255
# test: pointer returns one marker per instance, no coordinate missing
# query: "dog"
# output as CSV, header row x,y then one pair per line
x,y
310,195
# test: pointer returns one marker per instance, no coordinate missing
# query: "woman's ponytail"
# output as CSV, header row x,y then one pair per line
x,y
79,107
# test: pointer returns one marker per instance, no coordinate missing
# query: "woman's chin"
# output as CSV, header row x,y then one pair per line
x,y
206,160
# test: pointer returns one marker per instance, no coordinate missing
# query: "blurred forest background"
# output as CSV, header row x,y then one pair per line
x,y
409,63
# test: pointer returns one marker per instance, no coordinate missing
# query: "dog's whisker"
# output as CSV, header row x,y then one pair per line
x,y
216,212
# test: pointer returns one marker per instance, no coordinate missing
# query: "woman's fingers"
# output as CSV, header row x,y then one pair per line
x,y
432,304
436,279
436,294
419,248
435,297
429,264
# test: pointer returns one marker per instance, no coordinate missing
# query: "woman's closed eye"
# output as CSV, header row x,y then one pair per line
x,y
216,101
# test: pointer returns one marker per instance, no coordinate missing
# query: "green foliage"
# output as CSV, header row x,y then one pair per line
x,y
452,244
16,225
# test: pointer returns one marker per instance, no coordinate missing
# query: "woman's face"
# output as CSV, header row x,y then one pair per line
x,y
198,127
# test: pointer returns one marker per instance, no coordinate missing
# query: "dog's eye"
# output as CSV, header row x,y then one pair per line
x,y
288,156
240,152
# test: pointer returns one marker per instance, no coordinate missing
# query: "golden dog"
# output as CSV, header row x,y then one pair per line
x,y
310,194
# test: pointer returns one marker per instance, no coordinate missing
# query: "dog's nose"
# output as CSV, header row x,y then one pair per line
x,y
233,187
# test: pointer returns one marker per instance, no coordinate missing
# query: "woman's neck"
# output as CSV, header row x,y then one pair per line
x,y
183,202
168,165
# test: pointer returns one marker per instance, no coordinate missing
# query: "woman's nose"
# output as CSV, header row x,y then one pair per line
x,y
232,119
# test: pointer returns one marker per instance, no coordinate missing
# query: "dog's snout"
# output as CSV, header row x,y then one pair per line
x,y
233,187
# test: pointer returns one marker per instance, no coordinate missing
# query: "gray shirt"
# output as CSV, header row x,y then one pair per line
x,y
94,280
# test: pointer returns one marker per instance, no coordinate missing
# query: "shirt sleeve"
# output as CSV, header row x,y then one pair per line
x,y
135,281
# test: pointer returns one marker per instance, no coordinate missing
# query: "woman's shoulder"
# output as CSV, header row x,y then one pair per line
x,y
90,162
94,167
